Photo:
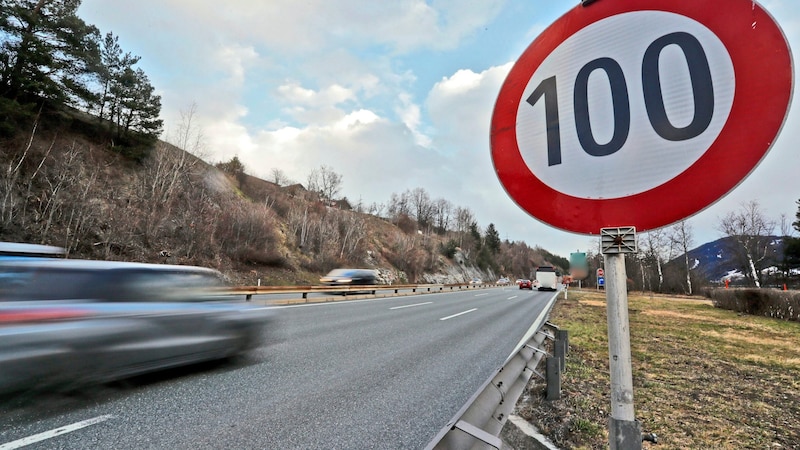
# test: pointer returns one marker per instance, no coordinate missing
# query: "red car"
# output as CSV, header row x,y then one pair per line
x,y
526,284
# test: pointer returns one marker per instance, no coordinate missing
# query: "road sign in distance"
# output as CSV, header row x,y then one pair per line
x,y
638,113
578,266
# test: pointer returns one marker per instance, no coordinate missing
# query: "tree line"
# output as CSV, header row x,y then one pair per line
x,y
50,59
765,252
331,231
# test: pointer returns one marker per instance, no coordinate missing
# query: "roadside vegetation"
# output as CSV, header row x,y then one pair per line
x,y
703,377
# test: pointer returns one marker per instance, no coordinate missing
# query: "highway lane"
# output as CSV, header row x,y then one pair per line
x,y
384,373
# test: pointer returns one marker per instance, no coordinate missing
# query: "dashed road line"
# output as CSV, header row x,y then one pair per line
x,y
459,314
54,432
411,306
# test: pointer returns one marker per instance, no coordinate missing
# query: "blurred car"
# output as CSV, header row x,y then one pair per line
x,y
526,284
344,278
72,322
503,281
16,250
476,281
519,280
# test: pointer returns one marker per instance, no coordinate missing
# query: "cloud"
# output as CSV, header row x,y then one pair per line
x,y
392,95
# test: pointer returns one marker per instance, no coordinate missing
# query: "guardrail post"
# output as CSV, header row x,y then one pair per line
x,y
553,375
561,348
563,335
248,297
559,351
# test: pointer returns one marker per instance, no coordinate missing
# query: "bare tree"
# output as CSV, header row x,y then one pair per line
x,y
166,174
189,136
422,207
9,199
751,230
279,177
325,182
299,224
443,210
464,220
681,236
66,174
352,230
399,205
377,209
654,246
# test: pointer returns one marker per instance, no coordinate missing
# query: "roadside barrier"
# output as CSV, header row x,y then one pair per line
x,y
478,423
250,291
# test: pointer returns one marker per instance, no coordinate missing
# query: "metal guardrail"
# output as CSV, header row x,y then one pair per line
x,y
250,291
478,423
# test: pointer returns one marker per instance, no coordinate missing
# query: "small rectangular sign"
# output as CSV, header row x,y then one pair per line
x,y
618,240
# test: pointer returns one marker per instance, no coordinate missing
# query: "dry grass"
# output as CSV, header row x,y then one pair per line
x,y
703,377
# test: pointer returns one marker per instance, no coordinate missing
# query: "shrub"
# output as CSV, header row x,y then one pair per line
x,y
448,249
784,305
269,258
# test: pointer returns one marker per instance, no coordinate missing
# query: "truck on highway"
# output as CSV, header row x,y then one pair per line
x,y
547,278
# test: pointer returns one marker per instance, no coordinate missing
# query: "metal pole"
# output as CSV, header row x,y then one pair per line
x,y
624,431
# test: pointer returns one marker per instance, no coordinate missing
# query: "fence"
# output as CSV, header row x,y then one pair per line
x,y
250,291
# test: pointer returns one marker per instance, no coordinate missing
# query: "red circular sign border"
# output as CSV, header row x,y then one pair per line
x,y
697,187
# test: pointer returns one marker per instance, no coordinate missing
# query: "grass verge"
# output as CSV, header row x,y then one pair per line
x,y
703,377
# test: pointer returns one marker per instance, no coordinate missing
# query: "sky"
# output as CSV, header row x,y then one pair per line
x,y
391,95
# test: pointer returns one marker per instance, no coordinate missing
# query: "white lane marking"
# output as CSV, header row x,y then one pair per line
x,y
410,306
512,297
456,315
478,295
53,433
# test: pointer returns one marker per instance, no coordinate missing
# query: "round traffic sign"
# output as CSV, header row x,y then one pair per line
x,y
631,113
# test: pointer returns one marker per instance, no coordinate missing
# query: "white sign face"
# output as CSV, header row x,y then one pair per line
x,y
622,152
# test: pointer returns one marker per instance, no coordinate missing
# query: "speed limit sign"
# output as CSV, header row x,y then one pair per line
x,y
642,113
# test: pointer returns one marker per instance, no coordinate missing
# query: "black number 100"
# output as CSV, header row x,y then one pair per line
x,y
702,93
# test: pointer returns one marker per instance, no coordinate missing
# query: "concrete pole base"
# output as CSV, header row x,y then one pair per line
x,y
624,434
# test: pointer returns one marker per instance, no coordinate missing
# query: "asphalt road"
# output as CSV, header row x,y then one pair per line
x,y
386,373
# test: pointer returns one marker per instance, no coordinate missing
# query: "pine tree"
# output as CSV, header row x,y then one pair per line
x,y
48,52
492,239
113,64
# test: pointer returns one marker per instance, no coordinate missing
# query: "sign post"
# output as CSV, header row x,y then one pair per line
x,y
623,429
622,107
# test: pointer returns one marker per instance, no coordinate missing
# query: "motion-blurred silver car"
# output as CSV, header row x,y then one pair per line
x,y
73,322
346,278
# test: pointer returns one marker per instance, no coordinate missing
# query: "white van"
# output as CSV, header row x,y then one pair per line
x,y
547,278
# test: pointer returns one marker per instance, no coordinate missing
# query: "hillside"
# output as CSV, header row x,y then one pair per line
x,y
716,260
61,185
